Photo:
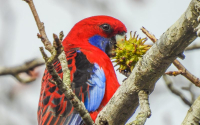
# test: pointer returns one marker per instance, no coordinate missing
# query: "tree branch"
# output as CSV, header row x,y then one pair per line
x,y
189,89
145,111
197,30
187,74
193,47
193,114
149,35
181,69
175,91
27,68
40,26
150,68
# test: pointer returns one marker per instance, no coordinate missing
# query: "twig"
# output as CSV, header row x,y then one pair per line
x,y
65,69
186,73
193,47
56,50
61,35
189,89
193,114
40,25
145,111
27,68
149,35
175,91
174,73
181,69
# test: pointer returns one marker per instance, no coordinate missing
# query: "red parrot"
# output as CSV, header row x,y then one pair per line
x,y
88,47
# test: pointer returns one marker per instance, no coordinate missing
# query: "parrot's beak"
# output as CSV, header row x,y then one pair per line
x,y
118,38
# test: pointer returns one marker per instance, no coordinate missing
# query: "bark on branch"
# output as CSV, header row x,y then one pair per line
x,y
181,69
151,67
26,67
145,111
193,114
40,26
169,84
187,74
193,47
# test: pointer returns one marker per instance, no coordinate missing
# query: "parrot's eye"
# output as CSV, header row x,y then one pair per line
x,y
106,28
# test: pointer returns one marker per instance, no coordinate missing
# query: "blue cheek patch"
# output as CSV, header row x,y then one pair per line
x,y
99,42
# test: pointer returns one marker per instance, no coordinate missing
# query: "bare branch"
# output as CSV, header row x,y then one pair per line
x,y
189,89
193,114
40,25
150,68
154,39
149,35
27,68
193,47
175,91
181,69
186,73
61,35
145,111
174,73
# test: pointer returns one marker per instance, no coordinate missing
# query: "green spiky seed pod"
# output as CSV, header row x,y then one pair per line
x,y
129,52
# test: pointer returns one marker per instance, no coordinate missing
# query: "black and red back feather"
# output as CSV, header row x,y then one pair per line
x,y
54,108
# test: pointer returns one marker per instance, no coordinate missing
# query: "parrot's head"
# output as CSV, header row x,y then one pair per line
x,y
102,32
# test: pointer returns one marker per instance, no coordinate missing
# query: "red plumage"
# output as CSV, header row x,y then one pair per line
x,y
53,106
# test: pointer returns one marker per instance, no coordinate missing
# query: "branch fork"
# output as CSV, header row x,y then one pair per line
x,y
145,111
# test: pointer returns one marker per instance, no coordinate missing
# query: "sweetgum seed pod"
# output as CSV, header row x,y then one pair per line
x,y
130,51
141,47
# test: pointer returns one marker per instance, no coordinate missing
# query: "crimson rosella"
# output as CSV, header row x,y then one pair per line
x,y
88,47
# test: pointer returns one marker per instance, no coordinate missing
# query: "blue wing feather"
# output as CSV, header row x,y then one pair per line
x,y
95,79
96,89
75,119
